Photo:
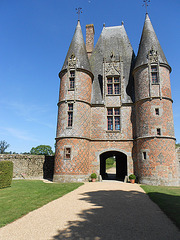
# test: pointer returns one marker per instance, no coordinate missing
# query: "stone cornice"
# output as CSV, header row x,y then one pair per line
x,y
155,136
151,98
65,101
97,140
77,69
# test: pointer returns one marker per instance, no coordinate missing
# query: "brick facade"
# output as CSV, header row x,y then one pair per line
x,y
116,112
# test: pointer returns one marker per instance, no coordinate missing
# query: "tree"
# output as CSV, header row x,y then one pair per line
x,y
177,145
3,146
42,150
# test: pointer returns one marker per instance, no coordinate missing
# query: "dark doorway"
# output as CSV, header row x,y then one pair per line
x,y
121,165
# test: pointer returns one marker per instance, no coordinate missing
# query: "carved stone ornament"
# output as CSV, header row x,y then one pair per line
x,y
153,55
72,61
112,69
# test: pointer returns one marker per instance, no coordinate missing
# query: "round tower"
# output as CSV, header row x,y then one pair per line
x,y
74,111
155,161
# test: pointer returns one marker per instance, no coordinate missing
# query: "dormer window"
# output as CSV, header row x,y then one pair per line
x,y
154,74
113,85
72,80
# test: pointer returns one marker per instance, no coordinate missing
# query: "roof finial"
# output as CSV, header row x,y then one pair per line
x,y
146,4
79,12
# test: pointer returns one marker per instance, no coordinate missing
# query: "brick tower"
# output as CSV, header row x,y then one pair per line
x,y
113,104
155,161
74,111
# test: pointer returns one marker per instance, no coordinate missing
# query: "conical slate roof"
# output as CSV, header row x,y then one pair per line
x,y
78,48
149,40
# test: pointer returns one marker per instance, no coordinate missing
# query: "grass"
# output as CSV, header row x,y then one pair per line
x,y
26,195
167,198
110,162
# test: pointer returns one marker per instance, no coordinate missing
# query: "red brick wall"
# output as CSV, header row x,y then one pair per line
x,y
79,163
147,121
99,124
83,83
98,147
81,120
144,90
161,166
165,82
67,136
86,155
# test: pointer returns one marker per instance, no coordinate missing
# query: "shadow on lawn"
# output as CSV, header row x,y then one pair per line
x,y
119,215
170,204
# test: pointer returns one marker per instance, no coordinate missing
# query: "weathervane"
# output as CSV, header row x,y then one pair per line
x,y
146,4
79,12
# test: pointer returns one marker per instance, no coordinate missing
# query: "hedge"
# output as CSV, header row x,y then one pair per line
x,y
6,173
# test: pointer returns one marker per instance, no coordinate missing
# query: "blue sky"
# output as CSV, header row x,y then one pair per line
x,y
34,38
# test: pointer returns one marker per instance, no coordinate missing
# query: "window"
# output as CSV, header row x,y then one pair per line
x,y
113,119
158,131
113,85
67,153
70,114
72,80
154,74
157,111
144,155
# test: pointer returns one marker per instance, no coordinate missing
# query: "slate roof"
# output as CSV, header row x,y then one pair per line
x,y
149,39
112,39
78,47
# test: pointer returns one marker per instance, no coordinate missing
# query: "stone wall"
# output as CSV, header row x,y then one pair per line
x,y
30,166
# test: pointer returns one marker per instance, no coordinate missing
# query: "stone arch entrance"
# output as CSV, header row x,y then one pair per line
x,y
121,165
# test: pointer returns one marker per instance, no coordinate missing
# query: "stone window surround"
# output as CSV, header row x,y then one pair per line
x,y
158,131
66,149
70,114
71,80
113,116
144,152
113,84
153,110
157,111
154,72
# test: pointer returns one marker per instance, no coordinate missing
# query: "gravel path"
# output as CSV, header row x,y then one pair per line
x,y
102,210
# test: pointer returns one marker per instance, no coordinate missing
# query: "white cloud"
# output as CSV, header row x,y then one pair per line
x,y
18,134
30,113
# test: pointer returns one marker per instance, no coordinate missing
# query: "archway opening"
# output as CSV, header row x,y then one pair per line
x,y
120,165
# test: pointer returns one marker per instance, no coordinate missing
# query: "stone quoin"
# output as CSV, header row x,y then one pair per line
x,y
114,104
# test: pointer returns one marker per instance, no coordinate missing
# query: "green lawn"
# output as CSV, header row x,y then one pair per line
x,y
167,198
26,195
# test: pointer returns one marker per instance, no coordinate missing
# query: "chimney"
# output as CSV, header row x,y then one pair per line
x,y
89,39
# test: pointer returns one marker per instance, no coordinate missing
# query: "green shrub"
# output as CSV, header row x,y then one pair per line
x,y
132,176
93,175
6,173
